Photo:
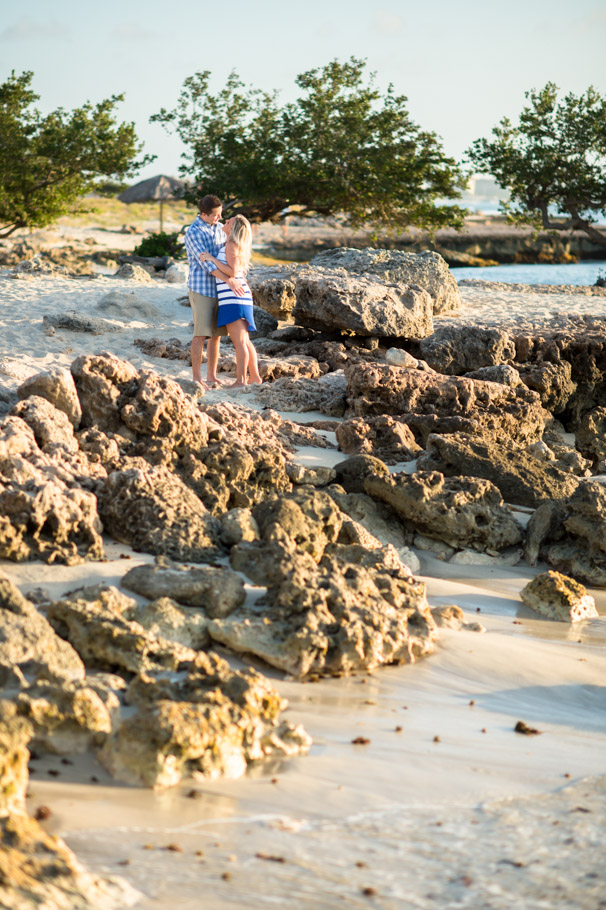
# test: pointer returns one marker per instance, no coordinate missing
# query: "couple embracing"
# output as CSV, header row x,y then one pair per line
x,y
221,300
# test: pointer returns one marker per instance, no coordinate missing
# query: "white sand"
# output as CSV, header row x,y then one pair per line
x,y
483,818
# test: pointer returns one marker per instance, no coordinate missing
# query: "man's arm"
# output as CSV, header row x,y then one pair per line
x,y
196,242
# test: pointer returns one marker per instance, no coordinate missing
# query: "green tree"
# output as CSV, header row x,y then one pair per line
x,y
342,148
48,162
554,159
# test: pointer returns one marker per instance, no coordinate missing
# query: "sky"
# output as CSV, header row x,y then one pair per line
x,y
463,64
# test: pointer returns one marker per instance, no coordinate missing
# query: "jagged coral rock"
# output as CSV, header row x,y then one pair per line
x,y
48,423
383,436
213,723
306,520
332,619
154,511
558,597
217,589
29,647
462,511
326,394
96,621
57,386
432,403
456,349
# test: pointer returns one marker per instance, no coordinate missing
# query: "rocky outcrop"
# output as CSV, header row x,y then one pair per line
x,y
552,381
152,510
521,478
338,301
29,647
433,403
591,437
274,290
352,472
58,387
458,349
462,511
49,425
327,394
126,306
554,595
213,723
383,437
332,620
217,589
427,270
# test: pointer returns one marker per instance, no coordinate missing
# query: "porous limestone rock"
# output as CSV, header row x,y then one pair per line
x,y
383,436
165,618
502,372
57,386
456,349
339,301
152,510
558,597
238,525
377,518
591,436
127,306
50,426
264,321
315,476
326,394
213,723
273,289
552,381
427,270
293,366
175,274
29,647
331,620
396,357
352,472
133,272
103,382
71,717
15,734
44,513
217,589
462,511
96,621
306,520
73,322
522,478
432,403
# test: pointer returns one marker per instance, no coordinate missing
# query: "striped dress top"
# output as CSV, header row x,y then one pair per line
x,y
231,308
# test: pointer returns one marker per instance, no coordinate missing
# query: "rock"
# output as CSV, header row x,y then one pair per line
x,y
264,321
396,357
168,349
165,619
133,272
238,525
383,437
15,734
552,381
462,511
576,559
153,511
96,621
72,322
29,647
352,472
521,478
41,515
127,306
554,595
102,382
71,717
210,724
448,616
473,558
440,549
457,349
175,274
335,301
327,394
502,372
591,435
306,520
57,386
332,620
49,425
99,448
217,589
273,368
376,518
428,270
319,476
431,403
274,289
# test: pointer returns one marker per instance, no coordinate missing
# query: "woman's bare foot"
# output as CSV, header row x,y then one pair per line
x,y
255,380
237,385
202,384
214,382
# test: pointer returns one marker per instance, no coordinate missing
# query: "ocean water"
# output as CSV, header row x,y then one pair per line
x,y
581,273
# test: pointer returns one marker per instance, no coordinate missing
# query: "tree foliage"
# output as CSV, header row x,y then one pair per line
x,y
555,158
342,147
47,162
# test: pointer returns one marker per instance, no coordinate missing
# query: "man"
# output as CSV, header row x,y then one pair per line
x,y
206,235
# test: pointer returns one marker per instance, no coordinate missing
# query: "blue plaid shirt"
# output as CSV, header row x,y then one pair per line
x,y
199,237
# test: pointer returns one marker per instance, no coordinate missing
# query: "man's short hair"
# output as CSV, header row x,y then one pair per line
x,y
208,203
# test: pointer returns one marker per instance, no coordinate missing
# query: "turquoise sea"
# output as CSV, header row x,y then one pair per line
x,y
582,273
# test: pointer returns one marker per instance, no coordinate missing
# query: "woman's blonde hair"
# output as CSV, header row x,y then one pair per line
x,y
241,234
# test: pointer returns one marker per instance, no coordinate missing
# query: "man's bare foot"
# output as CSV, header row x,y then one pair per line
x,y
202,384
237,385
214,382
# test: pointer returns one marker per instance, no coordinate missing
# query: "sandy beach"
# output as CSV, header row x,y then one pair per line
x,y
443,805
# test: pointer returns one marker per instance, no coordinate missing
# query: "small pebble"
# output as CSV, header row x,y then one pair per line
x,y
52,772
361,864
194,794
174,848
436,739
398,729
360,741
521,727
66,761
369,892
226,876
42,813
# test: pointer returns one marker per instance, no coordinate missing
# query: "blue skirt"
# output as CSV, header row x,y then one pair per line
x,y
231,312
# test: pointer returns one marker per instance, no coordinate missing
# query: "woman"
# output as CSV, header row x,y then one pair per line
x,y
236,313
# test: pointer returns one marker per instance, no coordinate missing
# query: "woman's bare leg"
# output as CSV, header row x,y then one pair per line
x,y
253,365
238,332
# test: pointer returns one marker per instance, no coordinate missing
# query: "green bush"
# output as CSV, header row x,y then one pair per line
x,y
162,244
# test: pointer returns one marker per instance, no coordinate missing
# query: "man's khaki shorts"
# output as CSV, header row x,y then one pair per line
x,y
205,315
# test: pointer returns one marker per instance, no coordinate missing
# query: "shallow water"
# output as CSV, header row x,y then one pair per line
x,y
581,273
